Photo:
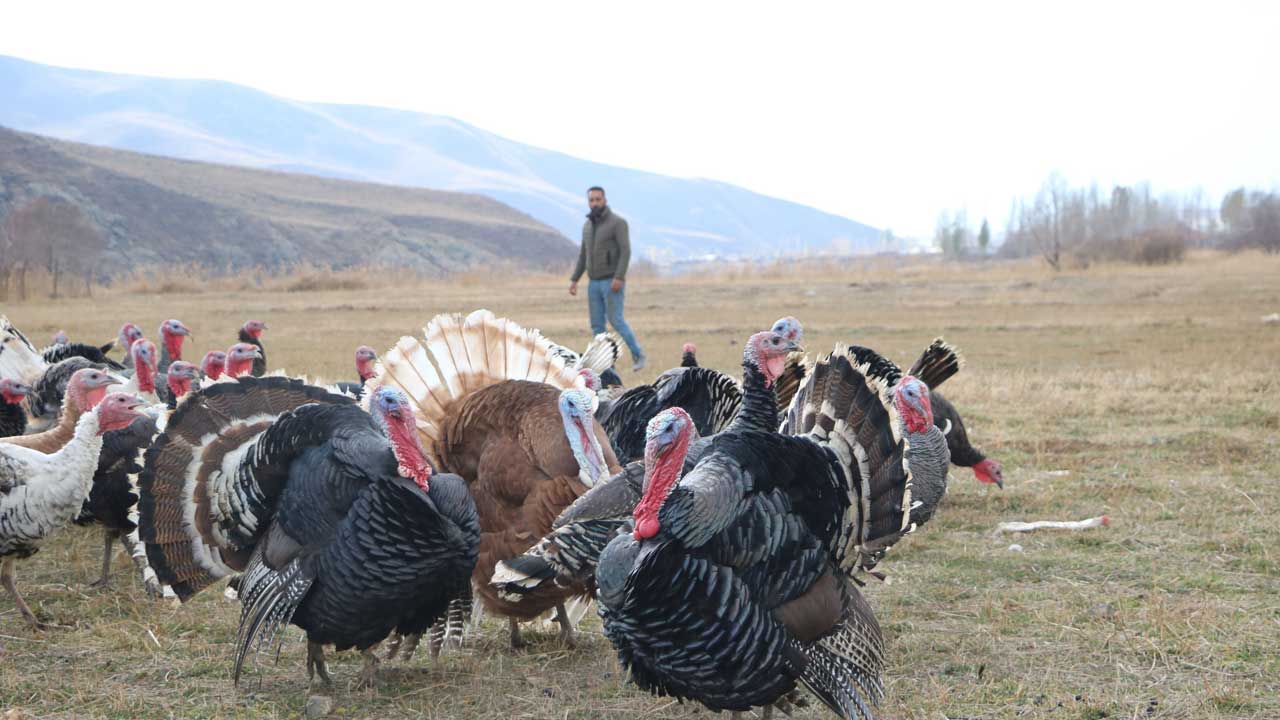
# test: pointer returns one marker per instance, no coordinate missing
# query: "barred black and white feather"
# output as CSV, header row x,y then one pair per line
x,y
937,363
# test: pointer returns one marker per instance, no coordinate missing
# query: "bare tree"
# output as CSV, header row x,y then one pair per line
x,y
50,232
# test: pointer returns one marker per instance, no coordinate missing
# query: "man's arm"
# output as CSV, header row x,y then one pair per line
x,y
623,236
579,269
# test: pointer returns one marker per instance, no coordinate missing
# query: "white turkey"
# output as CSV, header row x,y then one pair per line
x,y
41,492
332,514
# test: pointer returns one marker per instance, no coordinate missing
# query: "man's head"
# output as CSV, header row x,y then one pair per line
x,y
595,197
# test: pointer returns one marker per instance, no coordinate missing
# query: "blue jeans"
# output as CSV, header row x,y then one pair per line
x,y
604,301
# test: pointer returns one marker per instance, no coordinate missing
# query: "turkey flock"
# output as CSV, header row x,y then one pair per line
x,y
719,525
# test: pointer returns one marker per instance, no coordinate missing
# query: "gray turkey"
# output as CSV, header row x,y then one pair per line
x,y
567,555
332,514
711,398
736,583
13,416
939,362
41,492
251,333
172,335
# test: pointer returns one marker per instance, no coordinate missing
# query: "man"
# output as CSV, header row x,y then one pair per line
x,y
605,253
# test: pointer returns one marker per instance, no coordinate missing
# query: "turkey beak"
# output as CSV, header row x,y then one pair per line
x,y
257,354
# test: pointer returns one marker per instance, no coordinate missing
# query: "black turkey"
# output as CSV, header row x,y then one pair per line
x,y
737,580
332,514
13,416
251,333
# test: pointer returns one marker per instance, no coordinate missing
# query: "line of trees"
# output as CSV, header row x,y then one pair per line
x,y
1128,223
51,237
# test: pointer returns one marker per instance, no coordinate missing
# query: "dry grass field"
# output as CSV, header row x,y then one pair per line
x,y
1148,394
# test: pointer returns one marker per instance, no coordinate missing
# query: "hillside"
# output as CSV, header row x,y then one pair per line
x,y
671,218
157,210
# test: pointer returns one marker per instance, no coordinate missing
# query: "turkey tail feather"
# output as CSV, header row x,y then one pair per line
x,y
792,377
844,668
268,600
937,363
461,355
602,353
207,486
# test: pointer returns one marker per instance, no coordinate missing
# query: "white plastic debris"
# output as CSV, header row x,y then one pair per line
x,y
1057,473
1271,319
1100,521
1015,548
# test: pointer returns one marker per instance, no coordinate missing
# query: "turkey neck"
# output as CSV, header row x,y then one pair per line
x,y
759,409
53,439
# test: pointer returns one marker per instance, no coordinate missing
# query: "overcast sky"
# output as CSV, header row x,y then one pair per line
x,y
883,114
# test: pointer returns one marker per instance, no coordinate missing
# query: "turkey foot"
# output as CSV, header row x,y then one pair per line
x,y
315,664
369,675
6,577
109,537
566,627
517,642
393,645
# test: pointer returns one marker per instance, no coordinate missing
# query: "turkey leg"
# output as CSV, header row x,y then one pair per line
x,y
566,626
369,675
134,548
315,664
109,538
516,641
6,577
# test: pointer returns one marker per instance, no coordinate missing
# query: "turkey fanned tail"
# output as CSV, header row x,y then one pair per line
x,y
937,363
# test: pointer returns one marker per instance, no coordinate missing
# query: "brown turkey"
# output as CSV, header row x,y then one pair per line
x,y
496,405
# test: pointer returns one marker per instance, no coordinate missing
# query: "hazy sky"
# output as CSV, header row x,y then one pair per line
x,y
883,114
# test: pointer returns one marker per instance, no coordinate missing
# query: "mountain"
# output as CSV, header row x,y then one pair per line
x,y
157,210
213,121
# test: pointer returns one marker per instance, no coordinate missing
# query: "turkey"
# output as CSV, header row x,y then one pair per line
x,y
45,400
242,359
736,582
332,514
567,555
60,338
13,416
711,398
40,492
145,372
251,333
366,361
963,454
96,354
939,362
689,355
214,362
172,335
112,501
85,388
19,360
509,416
129,333
178,382
600,356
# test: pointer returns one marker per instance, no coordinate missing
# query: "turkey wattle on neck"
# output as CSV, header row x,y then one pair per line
x,y
365,358
172,334
391,409
911,398
240,359
215,361
577,408
87,387
13,391
180,376
763,361
144,364
667,440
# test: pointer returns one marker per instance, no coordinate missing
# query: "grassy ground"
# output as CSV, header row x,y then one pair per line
x,y
1146,394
